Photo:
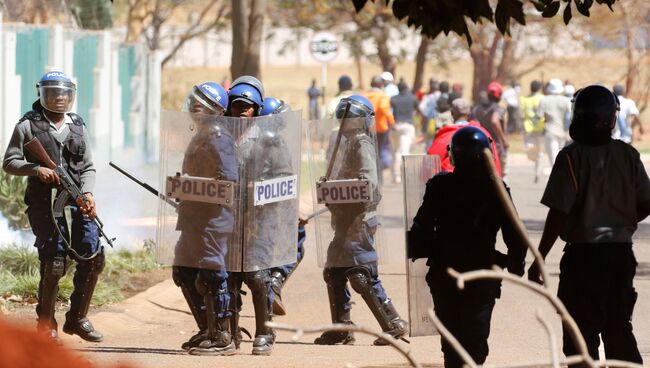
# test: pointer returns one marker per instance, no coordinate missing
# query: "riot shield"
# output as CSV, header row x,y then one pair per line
x,y
344,175
198,169
416,171
269,152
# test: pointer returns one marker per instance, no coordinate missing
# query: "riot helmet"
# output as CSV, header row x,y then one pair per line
x,y
360,107
207,98
593,115
273,106
249,90
467,145
56,92
360,115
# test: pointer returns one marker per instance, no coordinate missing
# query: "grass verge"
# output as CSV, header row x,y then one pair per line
x,y
123,274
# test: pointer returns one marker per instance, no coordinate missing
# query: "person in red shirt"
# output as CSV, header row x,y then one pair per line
x,y
460,111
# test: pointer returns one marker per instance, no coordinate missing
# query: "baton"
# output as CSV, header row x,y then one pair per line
x,y
146,186
338,141
316,214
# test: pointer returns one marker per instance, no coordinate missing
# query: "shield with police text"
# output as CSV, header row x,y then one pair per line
x,y
199,176
346,191
416,171
269,152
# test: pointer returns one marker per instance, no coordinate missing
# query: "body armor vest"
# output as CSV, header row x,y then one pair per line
x,y
69,153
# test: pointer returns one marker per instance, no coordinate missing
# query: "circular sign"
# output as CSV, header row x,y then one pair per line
x,y
324,47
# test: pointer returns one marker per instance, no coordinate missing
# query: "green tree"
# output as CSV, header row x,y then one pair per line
x,y
12,206
450,16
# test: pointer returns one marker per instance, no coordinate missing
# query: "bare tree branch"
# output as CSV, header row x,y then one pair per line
x,y
196,30
299,331
552,339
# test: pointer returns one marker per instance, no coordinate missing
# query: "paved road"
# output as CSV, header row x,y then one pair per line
x,y
148,329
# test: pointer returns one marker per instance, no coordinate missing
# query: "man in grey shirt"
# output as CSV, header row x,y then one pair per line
x,y
63,136
404,106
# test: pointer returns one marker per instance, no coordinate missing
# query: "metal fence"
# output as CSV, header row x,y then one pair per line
x,y
118,85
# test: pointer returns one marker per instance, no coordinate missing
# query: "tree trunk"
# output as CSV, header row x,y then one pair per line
x,y
483,60
420,60
135,19
255,30
239,38
629,51
247,37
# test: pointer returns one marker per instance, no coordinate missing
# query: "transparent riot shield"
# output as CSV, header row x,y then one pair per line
x,y
346,191
199,172
416,171
269,152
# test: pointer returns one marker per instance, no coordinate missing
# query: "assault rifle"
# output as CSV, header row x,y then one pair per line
x,y
71,190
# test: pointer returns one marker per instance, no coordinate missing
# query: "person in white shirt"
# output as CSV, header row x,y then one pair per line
x,y
554,107
627,116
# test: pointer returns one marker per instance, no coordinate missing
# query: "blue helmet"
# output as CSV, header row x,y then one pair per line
x,y
208,95
467,145
360,107
274,105
56,91
248,89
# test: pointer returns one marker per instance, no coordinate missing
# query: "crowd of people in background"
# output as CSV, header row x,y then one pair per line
x,y
541,114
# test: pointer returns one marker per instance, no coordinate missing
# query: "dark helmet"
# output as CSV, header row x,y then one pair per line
x,y
53,85
593,115
274,105
360,107
467,145
210,96
249,89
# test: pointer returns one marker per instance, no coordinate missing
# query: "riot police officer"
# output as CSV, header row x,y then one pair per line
x,y
351,255
597,192
206,229
246,98
280,275
456,227
63,135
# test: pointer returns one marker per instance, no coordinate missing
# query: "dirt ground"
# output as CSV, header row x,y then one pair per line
x,y
147,329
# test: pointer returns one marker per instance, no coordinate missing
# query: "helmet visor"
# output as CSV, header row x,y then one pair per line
x,y
198,103
58,97
357,110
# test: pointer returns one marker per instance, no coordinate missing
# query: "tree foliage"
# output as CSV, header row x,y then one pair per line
x,y
450,16
12,205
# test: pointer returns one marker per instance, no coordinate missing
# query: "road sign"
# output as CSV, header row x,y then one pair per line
x,y
324,47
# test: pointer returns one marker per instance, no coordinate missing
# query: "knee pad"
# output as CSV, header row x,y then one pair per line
x,y
94,266
359,278
209,281
53,268
258,280
184,275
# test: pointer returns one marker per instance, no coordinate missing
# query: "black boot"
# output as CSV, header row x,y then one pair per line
x,y
338,337
185,278
396,326
259,284
85,280
338,315
383,310
277,282
222,343
48,288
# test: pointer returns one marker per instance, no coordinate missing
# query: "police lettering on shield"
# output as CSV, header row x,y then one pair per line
x,y
275,190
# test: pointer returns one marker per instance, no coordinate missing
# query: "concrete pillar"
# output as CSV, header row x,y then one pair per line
x,y
10,88
56,50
